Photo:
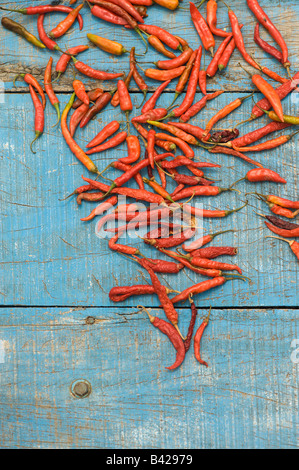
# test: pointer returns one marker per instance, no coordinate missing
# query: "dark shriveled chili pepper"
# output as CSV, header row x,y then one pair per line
x,y
18,29
266,46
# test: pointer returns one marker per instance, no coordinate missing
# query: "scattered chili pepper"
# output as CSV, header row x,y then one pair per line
x,y
125,249
206,213
170,4
167,146
202,81
212,19
203,272
163,75
199,191
280,223
92,73
89,197
107,45
162,266
213,66
151,147
49,89
229,151
65,24
215,251
224,136
152,115
199,288
49,43
127,80
202,29
77,117
203,241
77,151
158,189
128,7
188,339
184,77
257,134
125,101
134,150
137,77
106,132
280,201
121,293
111,143
278,210
151,103
262,174
197,339
108,16
79,89
175,62
210,264
20,30
159,47
282,232
31,80
293,244
169,39
100,104
170,241
183,146
176,131
39,119
227,53
268,145
193,130
265,46
195,108
65,58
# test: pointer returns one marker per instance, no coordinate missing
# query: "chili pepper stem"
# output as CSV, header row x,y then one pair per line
x,y
37,135
236,210
56,106
151,317
178,330
144,97
206,320
241,179
145,42
290,242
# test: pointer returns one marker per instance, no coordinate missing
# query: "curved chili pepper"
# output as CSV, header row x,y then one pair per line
x,y
199,288
181,160
210,264
213,66
193,130
106,132
273,31
270,144
125,249
227,53
77,117
119,165
128,7
108,16
49,43
152,115
65,58
170,241
159,46
124,98
278,210
280,201
20,30
136,75
40,10
100,104
92,95
92,73
151,147
169,39
184,77
89,197
262,174
206,213
204,272
202,29
265,46
175,62
134,150
229,151
112,47
212,19
188,339
257,134
293,244
176,131
197,340
282,232
49,89
31,80
202,81
79,89
163,75
199,191
158,189
203,241
39,119
215,251
195,108
162,266
77,151
167,146
113,142
127,80
183,146
65,24
174,336
121,293
151,103
280,223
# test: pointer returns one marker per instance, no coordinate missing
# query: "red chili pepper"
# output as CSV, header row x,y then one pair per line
x,y
89,197
125,101
176,131
183,146
40,10
151,147
106,132
163,75
136,75
92,73
100,209
182,59
283,224
229,151
111,143
227,53
184,77
181,160
134,150
121,293
262,174
278,210
203,241
31,80
270,144
167,146
199,288
125,249
128,7
159,46
77,151
282,232
65,58
108,16
49,89
65,24
210,264
39,119
206,213
213,66
193,130
158,189
77,117
152,115
79,89
92,95
80,190
293,244
204,272
151,103
162,266
100,104
273,31
265,46
202,29
202,81
215,251
170,241
119,165
257,134
199,191
147,3
280,201
212,19
194,109
49,43
197,340
188,339
115,99
164,36
174,336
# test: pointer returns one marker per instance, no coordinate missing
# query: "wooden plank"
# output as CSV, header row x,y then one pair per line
x,y
50,257
247,398
20,56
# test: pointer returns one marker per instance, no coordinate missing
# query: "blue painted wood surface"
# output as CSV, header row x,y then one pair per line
x,y
55,273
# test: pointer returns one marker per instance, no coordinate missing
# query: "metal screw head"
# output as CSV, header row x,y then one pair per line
x,y
90,320
80,388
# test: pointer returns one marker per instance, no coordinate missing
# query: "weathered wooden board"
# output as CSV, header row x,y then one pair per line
x,y
247,398
45,242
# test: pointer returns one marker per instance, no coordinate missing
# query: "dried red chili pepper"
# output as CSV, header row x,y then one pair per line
x,y
39,119
65,24
121,293
152,115
77,151
128,7
175,338
197,339
137,77
31,80
268,145
210,264
273,31
66,57
49,89
134,150
170,4
184,77
166,267
163,75
257,134
199,288
199,191
262,174
101,208
193,130
203,272
195,108
293,244
127,80
202,81
108,16
188,339
213,66
151,103
79,89
167,146
106,132
170,242
92,73
229,151
227,53
77,117
224,136
202,29
89,197
212,19
20,30
100,104
280,223
215,251
176,131
49,43
151,147
183,146
278,210
92,95
280,201
203,241
169,39
175,62
181,160
111,143
265,46
125,249
282,232
206,213
158,189
125,101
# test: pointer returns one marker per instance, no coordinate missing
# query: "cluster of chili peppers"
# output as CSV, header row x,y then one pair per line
x,y
184,63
